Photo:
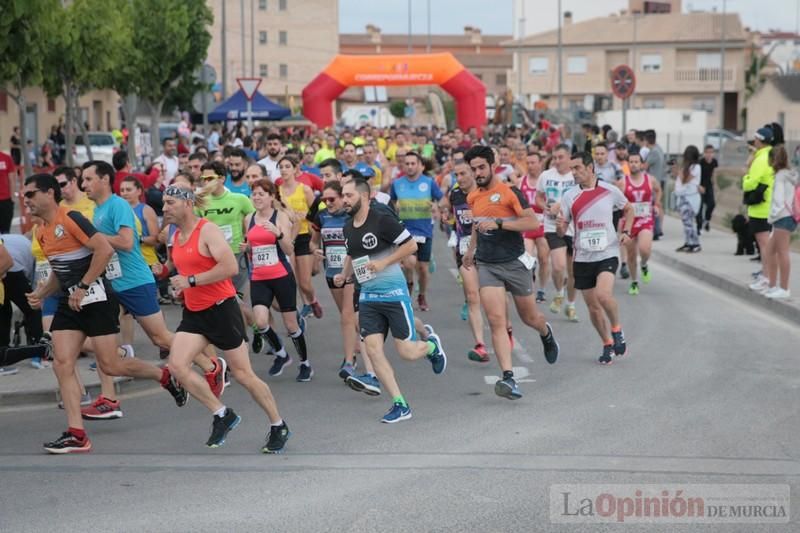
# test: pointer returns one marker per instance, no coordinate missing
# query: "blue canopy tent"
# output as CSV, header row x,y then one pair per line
x,y
235,108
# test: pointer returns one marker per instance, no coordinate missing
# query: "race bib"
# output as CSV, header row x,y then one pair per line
x,y
528,260
463,244
334,256
113,268
95,293
642,209
595,240
420,240
227,230
360,268
43,270
266,255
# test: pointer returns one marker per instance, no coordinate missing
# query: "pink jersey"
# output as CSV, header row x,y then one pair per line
x,y
641,198
529,191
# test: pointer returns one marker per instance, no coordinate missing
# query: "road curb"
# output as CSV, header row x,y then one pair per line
x,y
734,288
52,396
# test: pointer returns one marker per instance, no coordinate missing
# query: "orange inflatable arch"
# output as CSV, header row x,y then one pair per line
x,y
441,69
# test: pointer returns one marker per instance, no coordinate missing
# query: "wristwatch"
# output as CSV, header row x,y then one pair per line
x,y
82,285
192,281
499,222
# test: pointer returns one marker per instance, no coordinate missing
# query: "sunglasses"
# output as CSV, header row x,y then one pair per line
x,y
63,184
31,194
329,199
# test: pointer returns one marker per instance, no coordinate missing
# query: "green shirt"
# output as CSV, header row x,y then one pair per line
x,y
760,172
228,211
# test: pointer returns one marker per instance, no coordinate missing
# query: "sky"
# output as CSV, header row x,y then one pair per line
x,y
495,16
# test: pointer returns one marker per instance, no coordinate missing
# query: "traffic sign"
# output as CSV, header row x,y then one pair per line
x,y
249,86
206,74
623,81
203,97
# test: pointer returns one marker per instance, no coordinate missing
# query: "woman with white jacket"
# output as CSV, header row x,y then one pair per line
x,y
688,191
783,224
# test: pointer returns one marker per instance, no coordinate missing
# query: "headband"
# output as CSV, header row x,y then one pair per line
x,y
177,192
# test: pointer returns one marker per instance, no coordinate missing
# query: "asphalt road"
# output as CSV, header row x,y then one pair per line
x,y
708,394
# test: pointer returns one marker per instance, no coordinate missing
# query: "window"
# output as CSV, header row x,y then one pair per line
x,y
283,71
653,103
282,5
537,65
262,5
711,60
262,37
282,38
576,65
651,62
704,103
263,71
500,79
51,105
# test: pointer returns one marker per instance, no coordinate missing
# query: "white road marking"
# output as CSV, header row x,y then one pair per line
x,y
520,373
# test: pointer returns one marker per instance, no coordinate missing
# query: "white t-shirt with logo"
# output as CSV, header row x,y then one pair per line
x,y
553,185
590,212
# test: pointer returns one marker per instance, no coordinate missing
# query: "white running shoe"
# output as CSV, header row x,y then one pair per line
x,y
760,285
777,293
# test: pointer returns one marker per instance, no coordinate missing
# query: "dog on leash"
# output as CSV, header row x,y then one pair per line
x,y
745,241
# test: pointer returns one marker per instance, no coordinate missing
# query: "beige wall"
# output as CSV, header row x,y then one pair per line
x,y
765,107
312,29
101,106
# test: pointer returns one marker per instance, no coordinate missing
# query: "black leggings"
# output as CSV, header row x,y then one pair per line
x,y
706,208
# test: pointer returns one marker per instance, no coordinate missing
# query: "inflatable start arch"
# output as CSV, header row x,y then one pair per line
x,y
418,69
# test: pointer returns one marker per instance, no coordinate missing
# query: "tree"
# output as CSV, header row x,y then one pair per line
x,y
26,29
171,47
85,55
397,108
754,77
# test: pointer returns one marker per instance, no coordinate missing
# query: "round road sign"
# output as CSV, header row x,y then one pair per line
x,y
623,81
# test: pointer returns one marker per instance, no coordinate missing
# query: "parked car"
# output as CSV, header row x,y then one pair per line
x,y
717,138
103,144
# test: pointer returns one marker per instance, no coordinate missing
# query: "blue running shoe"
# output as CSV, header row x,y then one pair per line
x,y
279,364
438,358
397,413
346,370
93,366
507,388
619,343
607,357
465,312
306,311
365,383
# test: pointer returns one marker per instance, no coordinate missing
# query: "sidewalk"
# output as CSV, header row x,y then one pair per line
x,y
717,265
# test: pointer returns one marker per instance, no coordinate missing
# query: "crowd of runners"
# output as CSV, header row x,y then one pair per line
x,y
236,232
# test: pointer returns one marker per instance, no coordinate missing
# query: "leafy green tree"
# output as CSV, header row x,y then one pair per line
x,y
26,29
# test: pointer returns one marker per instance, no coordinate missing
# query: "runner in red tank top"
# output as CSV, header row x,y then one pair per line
x,y
536,239
205,265
644,193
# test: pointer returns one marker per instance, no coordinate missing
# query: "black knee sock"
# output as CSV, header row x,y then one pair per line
x,y
272,338
299,341
11,356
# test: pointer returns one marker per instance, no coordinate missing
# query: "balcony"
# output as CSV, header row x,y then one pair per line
x,y
703,74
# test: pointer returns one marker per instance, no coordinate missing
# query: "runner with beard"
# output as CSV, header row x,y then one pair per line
x,y
500,214
235,180
274,150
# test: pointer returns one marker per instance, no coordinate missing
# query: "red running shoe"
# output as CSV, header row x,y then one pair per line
x,y
478,354
102,409
316,308
216,378
69,443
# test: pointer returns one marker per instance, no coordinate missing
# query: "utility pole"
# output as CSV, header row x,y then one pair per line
x,y
252,39
224,59
560,87
244,56
428,49
520,36
722,69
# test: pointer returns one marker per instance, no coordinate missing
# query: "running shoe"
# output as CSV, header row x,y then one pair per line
x,y
624,273
507,388
778,293
39,364
86,399
465,311
422,303
707,226
555,305
221,426
438,358
279,364
397,413
163,353
306,311
93,366
276,440
68,443
540,297
571,312
176,390
478,354
305,374
634,288
760,285
646,275
316,308
694,248
102,409
258,341
216,378
346,370
619,343
684,248
510,332
365,383
550,345
608,352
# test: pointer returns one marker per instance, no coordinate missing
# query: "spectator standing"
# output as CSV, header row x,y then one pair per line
x,y
169,160
778,266
708,167
757,186
7,169
687,190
